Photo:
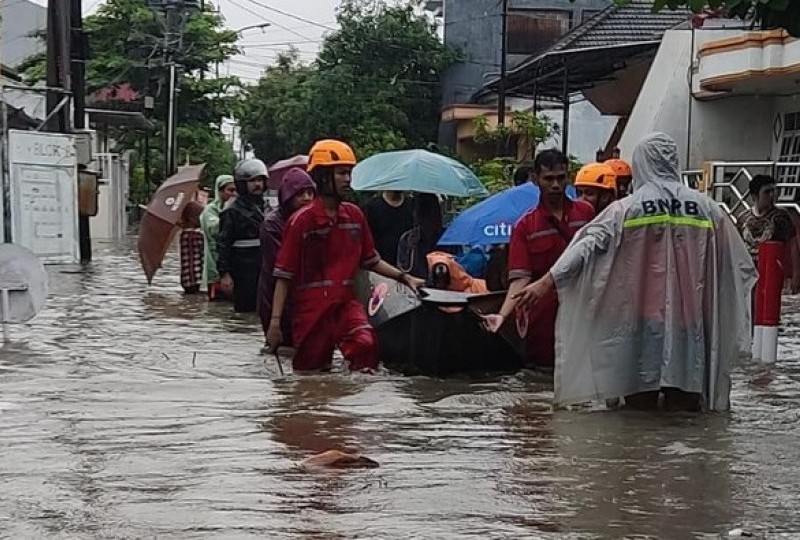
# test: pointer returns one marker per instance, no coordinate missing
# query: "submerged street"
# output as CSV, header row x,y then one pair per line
x,y
129,411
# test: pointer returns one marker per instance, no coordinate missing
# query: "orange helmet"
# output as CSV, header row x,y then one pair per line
x,y
621,168
330,153
599,175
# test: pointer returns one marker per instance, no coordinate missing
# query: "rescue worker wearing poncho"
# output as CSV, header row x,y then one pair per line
x,y
655,295
224,191
239,246
325,244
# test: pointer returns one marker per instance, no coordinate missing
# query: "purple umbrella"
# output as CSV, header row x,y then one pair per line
x,y
277,169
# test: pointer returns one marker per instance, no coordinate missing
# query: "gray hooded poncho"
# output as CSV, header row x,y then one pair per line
x,y
654,293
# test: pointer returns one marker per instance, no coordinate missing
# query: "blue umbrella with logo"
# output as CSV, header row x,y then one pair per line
x,y
490,221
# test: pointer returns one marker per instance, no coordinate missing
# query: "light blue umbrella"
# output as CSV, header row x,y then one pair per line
x,y
417,170
490,221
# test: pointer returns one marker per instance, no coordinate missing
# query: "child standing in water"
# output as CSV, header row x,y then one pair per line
x,y
191,242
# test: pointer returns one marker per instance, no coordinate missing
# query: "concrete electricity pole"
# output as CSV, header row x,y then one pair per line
x,y
175,15
66,59
58,66
78,85
501,90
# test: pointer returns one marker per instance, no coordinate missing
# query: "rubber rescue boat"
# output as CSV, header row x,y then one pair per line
x,y
437,333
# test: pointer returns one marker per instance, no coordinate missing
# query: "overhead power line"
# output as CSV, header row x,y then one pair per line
x,y
261,16
291,15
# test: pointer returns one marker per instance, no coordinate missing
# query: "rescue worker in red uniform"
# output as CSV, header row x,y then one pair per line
x,y
537,241
624,176
325,244
597,184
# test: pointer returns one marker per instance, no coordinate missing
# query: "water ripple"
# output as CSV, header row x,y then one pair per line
x,y
131,411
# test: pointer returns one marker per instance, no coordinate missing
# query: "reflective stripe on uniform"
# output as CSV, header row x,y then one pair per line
x,y
316,284
255,242
519,274
666,219
540,234
282,274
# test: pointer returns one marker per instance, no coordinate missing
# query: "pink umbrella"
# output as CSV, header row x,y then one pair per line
x,y
277,169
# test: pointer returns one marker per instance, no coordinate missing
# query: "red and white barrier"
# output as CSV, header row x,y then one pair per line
x,y
767,314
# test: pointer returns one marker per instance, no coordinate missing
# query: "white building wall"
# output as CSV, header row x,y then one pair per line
x,y
733,129
663,103
588,129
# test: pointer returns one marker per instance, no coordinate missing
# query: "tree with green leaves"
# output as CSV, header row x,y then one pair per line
x,y
375,84
526,129
126,45
766,14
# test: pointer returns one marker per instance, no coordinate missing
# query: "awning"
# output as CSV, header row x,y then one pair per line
x,y
116,118
558,72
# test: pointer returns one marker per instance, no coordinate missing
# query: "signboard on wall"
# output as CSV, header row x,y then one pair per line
x,y
44,194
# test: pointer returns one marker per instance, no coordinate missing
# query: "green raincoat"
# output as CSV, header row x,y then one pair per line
x,y
209,223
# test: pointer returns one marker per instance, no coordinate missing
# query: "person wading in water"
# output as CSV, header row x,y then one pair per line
x,y
239,262
325,244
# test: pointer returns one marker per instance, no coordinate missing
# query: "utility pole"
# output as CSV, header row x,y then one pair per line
x,y
175,15
202,10
78,85
170,14
501,90
5,190
169,156
58,65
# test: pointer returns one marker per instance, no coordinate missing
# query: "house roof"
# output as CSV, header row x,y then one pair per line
x,y
8,72
616,25
592,51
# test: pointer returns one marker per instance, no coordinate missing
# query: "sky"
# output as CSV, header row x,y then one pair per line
x,y
302,23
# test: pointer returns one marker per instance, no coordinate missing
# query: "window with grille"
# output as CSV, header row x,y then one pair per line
x,y
789,153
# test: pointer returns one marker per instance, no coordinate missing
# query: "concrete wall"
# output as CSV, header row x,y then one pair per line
x,y
663,102
736,128
781,106
588,130
475,28
20,18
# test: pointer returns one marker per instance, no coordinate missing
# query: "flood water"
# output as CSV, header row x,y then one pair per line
x,y
129,411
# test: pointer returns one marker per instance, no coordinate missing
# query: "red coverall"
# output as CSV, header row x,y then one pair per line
x,y
537,241
321,256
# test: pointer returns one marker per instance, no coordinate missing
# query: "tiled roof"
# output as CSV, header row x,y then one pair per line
x,y
617,25
592,50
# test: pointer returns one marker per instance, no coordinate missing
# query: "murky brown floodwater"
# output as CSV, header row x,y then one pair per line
x,y
108,430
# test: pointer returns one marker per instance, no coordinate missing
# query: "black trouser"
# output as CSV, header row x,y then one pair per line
x,y
245,269
674,400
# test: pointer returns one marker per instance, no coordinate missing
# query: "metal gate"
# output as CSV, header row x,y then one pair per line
x,y
727,182
111,221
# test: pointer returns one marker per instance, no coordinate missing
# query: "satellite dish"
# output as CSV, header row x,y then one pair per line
x,y
23,285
